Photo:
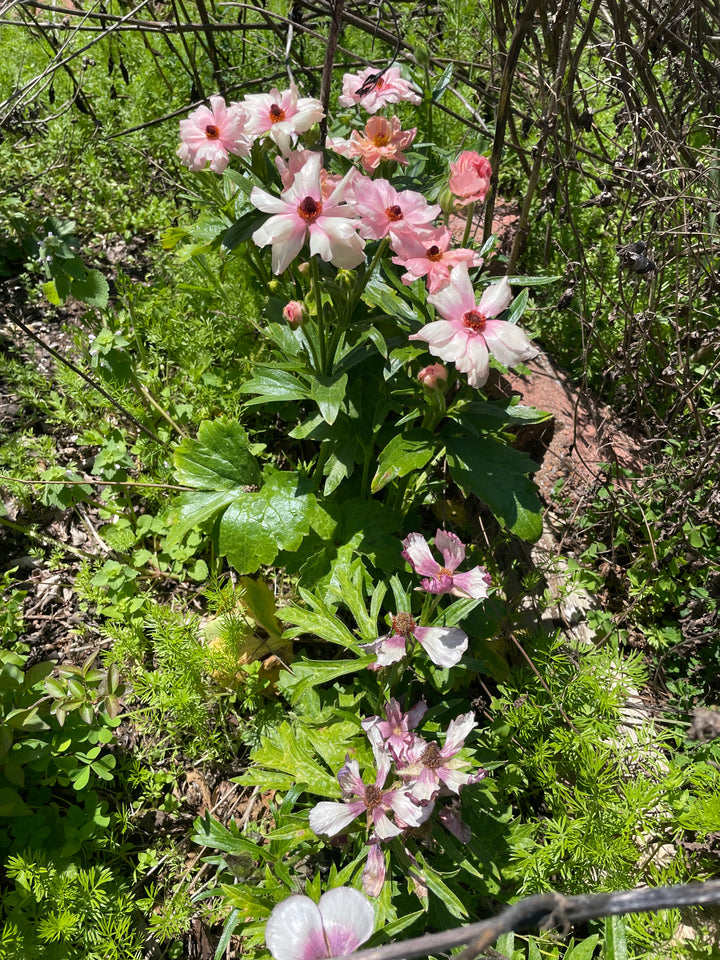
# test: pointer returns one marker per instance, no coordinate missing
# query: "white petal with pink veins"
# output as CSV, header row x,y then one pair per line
x,y
444,645
417,553
294,931
348,919
451,547
332,818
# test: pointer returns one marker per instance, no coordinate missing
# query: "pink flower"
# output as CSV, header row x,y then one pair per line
x,y
300,212
383,140
444,645
426,254
469,333
429,766
288,167
332,818
443,579
372,89
294,312
395,729
470,178
281,115
374,872
429,376
298,929
384,210
211,133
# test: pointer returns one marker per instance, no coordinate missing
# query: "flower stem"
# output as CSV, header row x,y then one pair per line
x,y
319,312
468,224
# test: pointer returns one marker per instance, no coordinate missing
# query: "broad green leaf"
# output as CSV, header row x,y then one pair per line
x,y
378,294
480,416
260,601
273,384
256,526
189,510
440,889
242,229
317,619
211,833
583,950
405,453
92,289
329,393
496,474
218,460
288,750
309,673
615,940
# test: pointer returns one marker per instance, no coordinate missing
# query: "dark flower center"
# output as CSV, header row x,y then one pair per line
x,y
373,796
431,757
403,624
212,132
434,253
277,114
394,212
309,209
475,320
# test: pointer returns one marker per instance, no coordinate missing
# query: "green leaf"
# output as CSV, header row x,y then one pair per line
x,y
258,525
191,509
329,393
218,460
533,281
288,750
443,83
496,474
260,601
243,229
51,292
378,294
584,950
518,307
615,940
307,674
405,453
273,384
12,804
211,833
93,289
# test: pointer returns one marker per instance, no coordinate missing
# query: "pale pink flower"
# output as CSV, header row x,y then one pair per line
x,y
430,376
374,872
444,645
299,929
384,210
331,818
469,333
442,579
383,140
470,178
395,729
282,116
302,212
427,254
294,312
429,767
211,134
453,822
372,89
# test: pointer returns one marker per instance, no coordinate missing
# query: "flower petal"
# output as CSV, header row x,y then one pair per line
x,y
374,872
457,732
348,919
451,547
418,555
495,298
332,818
444,645
473,583
294,930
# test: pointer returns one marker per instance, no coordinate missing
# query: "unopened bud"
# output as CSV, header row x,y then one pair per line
x,y
446,199
422,55
303,268
295,313
274,286
429,376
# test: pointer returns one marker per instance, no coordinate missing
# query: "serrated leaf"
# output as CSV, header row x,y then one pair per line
x,y
189,510
92,289
256,526
309,673
218,460
497,475
406,452
288,750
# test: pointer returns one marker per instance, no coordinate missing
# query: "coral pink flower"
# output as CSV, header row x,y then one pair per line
x,y
373,89
299,929
430,766
469,333
288,167
431,375
210,134
383,140
444,645
301,212
384,210
427,254
443,579
470,178
281,115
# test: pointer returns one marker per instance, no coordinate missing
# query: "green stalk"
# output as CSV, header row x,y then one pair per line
x,y
320,312
468,224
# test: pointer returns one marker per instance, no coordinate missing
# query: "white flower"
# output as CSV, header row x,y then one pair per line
x,y
298,929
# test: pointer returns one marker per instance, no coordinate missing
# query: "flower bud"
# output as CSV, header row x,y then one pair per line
x,y
446,199
274,286
422,55
429,376
304,268
295,313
